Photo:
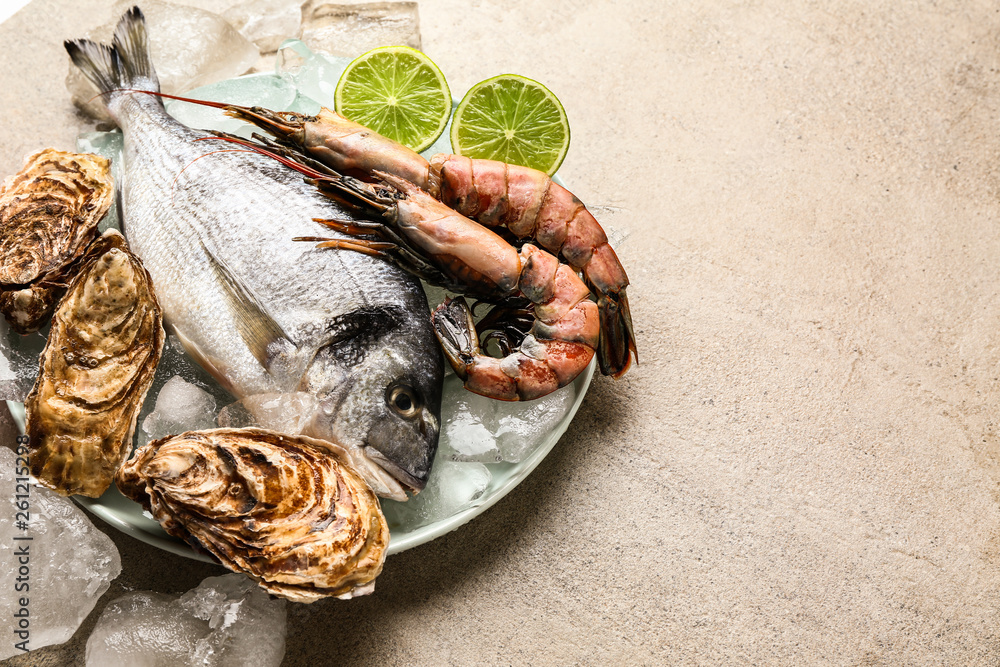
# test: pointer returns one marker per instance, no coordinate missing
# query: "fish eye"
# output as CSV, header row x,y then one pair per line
x,y
405,400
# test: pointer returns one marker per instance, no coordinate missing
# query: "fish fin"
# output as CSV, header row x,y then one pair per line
x,y
263,336
98,62
132,45
217,371
125,64
120,208
353,335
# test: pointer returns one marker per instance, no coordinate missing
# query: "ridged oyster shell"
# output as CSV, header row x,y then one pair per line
x,y
49,213
98,363
29,309
287,510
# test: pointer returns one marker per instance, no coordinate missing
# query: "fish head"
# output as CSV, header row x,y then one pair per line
x,y
378,379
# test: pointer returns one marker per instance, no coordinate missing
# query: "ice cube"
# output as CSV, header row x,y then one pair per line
x,y
18,361
289,413
143,629
190,48
265,90
265,23
248,627
236,415
318,74
477,428
175,361
226,621
291,57
468,425
451,488
180,406
305,105
352,29
311,74
464,438
523,425
69,564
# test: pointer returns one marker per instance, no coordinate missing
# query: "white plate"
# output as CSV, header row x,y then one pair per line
x,y
129,517
319,75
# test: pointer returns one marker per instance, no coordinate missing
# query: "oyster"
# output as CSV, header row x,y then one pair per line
x,y
98,363
287,510
48,216
28,309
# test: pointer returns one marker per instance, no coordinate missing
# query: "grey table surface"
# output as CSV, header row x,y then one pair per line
x,y
805,465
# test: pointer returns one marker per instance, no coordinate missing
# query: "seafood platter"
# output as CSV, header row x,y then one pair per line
x,y
312,277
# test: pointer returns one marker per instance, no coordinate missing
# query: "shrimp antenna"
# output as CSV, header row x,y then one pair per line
x,y
279,123
205,103
301,168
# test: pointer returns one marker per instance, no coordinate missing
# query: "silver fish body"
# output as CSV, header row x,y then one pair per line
x,y
263,313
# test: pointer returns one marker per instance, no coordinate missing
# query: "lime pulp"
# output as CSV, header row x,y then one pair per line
x,y
512,119
397,91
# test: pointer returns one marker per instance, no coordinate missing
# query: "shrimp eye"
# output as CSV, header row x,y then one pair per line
x,y
404,400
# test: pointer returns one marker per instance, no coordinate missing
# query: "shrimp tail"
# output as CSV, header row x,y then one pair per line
x,y
125,64
617,337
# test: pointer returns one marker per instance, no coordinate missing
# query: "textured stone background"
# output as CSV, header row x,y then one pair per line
x,y
805,466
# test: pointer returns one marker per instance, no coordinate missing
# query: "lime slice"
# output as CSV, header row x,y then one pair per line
x,y
512,119
398,92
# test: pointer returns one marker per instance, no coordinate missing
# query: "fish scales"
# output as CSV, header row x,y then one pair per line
x,y
243,208
263,313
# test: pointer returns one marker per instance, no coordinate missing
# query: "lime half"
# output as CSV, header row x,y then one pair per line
x,y
512,119
398,92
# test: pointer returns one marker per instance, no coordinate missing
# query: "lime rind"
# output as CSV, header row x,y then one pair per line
x,y
513,119
397,91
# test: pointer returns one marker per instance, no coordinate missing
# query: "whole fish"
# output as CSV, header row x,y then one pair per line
x,y
262,313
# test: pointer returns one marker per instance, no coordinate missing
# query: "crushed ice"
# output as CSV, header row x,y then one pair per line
x,y
452,487
482,429
70,564
265,23
288,413
226,621
193,48
351,29
18,361
180,406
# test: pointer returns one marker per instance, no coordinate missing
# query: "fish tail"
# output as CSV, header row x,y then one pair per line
x,y
125,65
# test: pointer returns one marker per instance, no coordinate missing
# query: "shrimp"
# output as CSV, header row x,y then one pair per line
x,y
430,239
529,204
523,200
566,328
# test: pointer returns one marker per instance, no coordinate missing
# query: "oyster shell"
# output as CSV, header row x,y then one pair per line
x,y
49,213
28,309
98,363
287,510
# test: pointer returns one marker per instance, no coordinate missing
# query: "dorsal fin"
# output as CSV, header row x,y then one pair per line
x,y
263,336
